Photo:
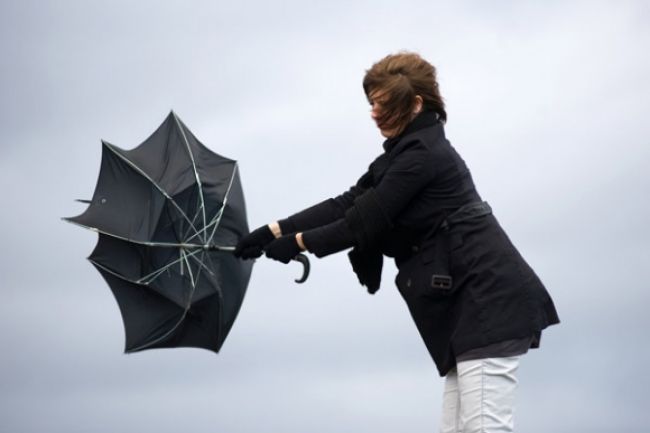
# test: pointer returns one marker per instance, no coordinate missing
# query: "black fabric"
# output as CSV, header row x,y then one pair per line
x,y
363,224
429,264
283,249
326,211
331,238
419,181
252,245
333,209
287,226
367,219
425,119
149,204
466,212
367,265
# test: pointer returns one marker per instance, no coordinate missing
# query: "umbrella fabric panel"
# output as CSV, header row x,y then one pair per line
x,y
233,277
176,226
183,278
180,165
220,190
165,157
180,276
124,203
151,321
227,222
200,328
147,317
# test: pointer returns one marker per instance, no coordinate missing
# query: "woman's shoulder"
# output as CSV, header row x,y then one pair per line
x,y
428,138
422,144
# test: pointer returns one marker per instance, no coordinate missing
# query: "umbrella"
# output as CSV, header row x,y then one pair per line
x,y
168,214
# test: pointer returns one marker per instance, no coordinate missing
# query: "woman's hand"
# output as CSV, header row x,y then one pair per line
x,y
283,249
252,245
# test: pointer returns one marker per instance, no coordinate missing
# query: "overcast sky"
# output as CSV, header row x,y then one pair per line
x,y
547,104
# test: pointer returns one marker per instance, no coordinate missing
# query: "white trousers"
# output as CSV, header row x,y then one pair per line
x,y
479,396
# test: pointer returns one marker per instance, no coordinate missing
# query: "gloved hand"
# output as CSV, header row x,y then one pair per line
x,y
252,245
283,249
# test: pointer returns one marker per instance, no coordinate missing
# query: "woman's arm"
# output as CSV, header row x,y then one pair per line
x,y
322,213
373,210
253,244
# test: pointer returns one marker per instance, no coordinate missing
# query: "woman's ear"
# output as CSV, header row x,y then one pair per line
x,y
418,104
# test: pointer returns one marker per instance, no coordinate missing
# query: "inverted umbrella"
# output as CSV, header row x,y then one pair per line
x,y
168,214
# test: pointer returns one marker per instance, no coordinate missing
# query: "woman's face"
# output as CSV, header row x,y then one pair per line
x,y
376,100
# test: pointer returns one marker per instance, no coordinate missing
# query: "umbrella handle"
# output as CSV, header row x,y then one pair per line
x,y
305,271
299,258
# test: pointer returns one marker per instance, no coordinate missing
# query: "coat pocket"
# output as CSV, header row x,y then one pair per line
x,y
426,274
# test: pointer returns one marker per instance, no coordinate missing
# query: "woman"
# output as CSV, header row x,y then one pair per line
x,y
476,303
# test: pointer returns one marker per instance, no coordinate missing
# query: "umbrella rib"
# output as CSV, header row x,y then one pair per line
x,y
155,274
203,266
223,207
162,337
217,218
209,257
198,233
187,232
219,292
196,173
200,270
142,173
110,271
146,243
219,215
193,280
189,269
141,280
149,278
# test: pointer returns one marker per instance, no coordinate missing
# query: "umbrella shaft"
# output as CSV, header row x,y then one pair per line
x,y
210,247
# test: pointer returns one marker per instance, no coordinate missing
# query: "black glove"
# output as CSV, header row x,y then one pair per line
x,y
283,249
252,245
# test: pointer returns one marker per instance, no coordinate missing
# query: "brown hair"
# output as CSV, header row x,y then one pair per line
x,y
398,78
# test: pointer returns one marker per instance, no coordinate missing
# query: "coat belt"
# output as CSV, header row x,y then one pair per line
x,y
466,212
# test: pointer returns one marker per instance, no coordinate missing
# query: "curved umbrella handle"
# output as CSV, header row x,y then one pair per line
x,y
305,263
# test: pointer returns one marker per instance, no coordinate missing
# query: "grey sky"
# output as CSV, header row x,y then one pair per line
x,y
547,104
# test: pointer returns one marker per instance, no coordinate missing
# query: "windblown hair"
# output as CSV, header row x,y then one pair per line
x,y
398,78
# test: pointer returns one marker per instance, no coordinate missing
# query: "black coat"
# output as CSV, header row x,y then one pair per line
x,y
415,187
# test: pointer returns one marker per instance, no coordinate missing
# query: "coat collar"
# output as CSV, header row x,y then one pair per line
x,y
423,120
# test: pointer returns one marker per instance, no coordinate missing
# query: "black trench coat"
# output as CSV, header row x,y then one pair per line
x,y
402,208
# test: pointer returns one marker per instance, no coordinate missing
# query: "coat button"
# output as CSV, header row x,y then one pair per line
x,y
408,283
415,248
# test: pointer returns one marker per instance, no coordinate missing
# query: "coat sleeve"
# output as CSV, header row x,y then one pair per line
x,y
326,211
408,173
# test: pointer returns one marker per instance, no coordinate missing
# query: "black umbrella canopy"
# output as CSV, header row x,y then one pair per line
x,y
168,214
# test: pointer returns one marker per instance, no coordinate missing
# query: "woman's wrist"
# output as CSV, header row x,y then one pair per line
x,y
275,229
300,242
